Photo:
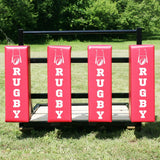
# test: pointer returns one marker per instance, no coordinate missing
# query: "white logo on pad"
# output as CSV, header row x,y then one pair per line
x,y
142,57
100,59
16,57
58,59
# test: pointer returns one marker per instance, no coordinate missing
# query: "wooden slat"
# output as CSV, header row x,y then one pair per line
x,y
80,113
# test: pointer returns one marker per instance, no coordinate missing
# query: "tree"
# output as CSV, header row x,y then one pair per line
x,y
78,15
48,12
91,14
73,14
102,14
145,14
16,14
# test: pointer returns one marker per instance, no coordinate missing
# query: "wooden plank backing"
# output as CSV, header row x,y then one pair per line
x,y
80,113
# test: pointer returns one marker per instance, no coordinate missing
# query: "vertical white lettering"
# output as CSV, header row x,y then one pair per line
x,y
100,72
100,113
16,71
143,112
59,103
142,81
142,92
100,93
143,103
16,113
16,81
59,114
100,82
100,104
142,71
16,92
59,72
59,93
59,82
16,103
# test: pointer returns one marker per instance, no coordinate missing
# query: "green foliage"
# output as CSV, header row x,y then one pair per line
x,y
48,14
73,14
102,14
78,15
16,14
145,14
91,14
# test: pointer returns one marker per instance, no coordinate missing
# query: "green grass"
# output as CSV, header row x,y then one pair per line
x,y
86,142
82,46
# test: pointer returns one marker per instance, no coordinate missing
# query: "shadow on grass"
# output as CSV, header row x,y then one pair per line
x,y
100,132
149,130
75,132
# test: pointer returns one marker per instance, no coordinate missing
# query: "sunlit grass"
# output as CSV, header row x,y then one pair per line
x,y
82,45
86,142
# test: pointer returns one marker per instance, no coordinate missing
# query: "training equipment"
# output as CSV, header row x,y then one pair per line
x,y
100,83
17,83
99,107
59,84
142,83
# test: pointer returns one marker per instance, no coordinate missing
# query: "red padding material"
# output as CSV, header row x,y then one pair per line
x,y
142,83
17,84
100,83
59,84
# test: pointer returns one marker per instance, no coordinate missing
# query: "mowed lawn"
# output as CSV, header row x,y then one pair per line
x,y
84,143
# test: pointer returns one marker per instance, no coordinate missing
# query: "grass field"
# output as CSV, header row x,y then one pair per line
x,y
85,143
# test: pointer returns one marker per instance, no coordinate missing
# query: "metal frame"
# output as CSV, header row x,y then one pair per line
x,y
138,33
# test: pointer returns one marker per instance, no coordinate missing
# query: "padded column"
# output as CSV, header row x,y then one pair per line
x,y
100,83
142,83
17,84
59,84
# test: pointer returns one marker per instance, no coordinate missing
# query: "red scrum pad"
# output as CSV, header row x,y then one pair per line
x,y
100,83
17,84
59,84
142,84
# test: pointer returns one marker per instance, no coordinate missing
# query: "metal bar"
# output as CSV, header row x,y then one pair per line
x,y
24,127
138,126
120,60
139,36
73,32
81,60
20,37
39,95
77,95
120,95
38,60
